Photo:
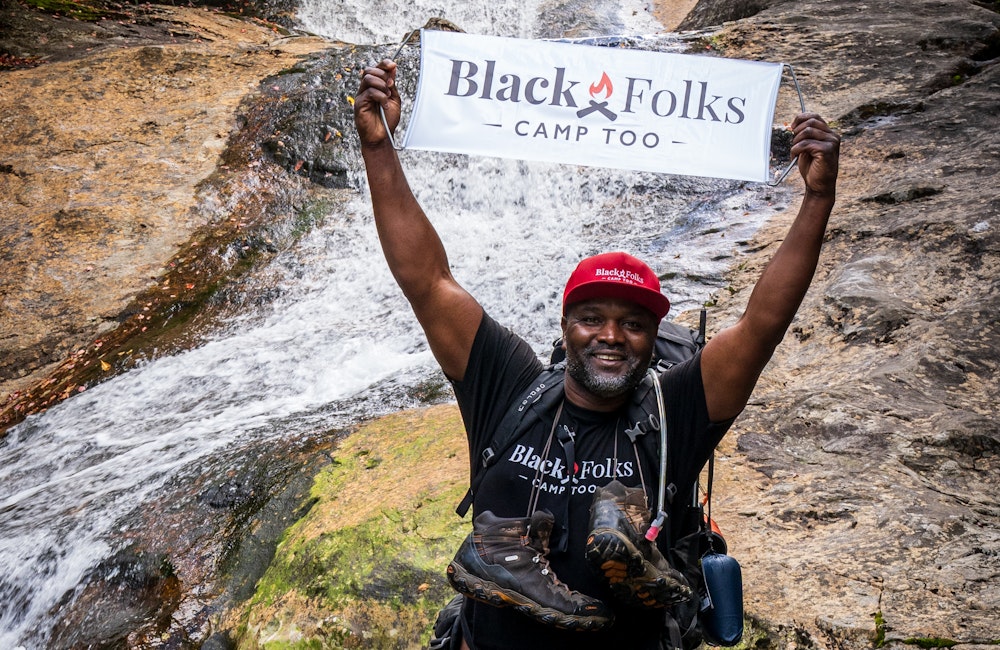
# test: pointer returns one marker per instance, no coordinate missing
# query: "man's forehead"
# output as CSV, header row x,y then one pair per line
x,y
618,305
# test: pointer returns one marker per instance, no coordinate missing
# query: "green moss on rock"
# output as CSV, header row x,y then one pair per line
x,y
879,629
365,566
75,10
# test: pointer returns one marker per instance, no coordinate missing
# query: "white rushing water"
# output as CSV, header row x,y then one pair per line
x,y
71,476
388,22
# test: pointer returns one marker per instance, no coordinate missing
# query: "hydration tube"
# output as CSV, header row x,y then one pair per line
x,y
661,492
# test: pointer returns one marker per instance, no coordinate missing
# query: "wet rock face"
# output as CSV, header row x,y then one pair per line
x,y
124,592
860,488
313,134
311,124
102,161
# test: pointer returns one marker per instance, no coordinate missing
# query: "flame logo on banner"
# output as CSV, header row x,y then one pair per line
x,y
603,87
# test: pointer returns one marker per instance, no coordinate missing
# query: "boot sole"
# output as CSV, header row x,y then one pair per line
x,y
620,562
613,555
491,593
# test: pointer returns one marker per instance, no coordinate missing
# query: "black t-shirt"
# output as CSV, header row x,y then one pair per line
x,y
501,367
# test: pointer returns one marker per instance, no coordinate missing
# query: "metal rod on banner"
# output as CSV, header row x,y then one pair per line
x,y
385,123
802,106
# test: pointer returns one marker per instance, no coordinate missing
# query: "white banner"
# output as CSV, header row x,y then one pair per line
x,y
600,106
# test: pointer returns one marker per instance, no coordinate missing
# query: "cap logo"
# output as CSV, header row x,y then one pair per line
x,y
619,274
616,275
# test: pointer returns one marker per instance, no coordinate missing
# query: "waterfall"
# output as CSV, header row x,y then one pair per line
x,y
77,480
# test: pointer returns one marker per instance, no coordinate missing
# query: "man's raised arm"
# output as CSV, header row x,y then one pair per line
x,y
449,315
733,360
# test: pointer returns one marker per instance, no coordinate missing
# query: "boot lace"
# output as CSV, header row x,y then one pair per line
x,y
543,567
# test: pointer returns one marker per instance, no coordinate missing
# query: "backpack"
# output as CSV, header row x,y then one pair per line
x,y
688,624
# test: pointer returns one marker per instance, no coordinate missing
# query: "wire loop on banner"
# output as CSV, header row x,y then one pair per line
x,y
385,122
802,106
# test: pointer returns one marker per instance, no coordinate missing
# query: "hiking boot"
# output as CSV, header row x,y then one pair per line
x,y
504,563
637,572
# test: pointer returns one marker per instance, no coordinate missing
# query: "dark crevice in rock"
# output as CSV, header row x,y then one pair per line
x,y
905,194
990,50
18,363
834,233
876,113
871,325
807,517
781,144
715,12
992,5
973,445
962,71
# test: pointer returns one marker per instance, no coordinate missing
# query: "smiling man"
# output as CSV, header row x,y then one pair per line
x,y
611,308
557,557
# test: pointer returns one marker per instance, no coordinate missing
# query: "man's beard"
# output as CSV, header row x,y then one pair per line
x,y
602,385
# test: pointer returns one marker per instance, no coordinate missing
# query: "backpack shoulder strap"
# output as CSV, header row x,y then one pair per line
x,y
642,410
646,414
540,397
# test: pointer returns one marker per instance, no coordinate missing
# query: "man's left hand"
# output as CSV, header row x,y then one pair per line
x,y
818,149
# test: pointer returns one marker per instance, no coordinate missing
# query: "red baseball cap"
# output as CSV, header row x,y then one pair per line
x,y
616,275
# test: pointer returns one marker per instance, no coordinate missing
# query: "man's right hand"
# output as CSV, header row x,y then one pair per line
x,y
378,89
449,316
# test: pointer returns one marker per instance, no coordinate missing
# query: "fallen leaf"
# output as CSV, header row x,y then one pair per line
x,y
298,165
350,100
105,366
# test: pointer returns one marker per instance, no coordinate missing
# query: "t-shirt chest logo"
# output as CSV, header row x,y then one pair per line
x,y
553,474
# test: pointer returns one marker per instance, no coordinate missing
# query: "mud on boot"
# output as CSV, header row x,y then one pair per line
x,y
636,571
504,563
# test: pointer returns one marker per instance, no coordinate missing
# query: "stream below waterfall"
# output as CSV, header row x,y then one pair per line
x,y
145,458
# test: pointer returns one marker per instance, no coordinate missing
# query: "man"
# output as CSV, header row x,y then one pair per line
x,y
611,308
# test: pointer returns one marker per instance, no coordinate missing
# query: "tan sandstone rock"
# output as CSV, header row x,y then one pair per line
x,y
100,169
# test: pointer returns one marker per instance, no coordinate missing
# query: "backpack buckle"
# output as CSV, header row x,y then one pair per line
x,y
635,431
671,492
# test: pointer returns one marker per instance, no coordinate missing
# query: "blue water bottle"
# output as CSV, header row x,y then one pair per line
x,y
722,608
